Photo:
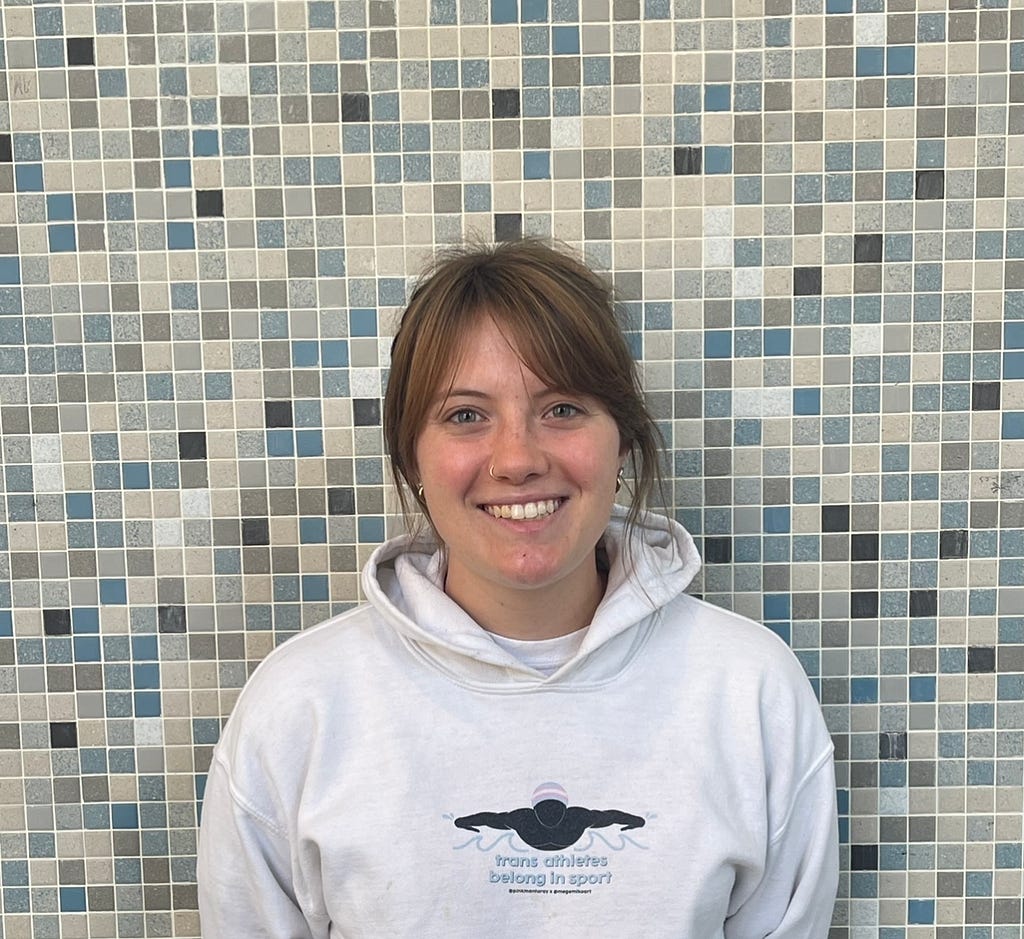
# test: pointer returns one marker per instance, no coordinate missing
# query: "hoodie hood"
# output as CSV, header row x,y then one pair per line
x,y
404,582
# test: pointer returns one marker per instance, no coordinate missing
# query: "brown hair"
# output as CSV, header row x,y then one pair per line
x,y
560,317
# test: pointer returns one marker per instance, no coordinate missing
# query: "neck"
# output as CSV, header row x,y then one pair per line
x,y
541,613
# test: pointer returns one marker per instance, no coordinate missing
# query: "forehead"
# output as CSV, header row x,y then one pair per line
x,y
487,355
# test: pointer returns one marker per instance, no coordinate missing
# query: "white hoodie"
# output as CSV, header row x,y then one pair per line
x,y
394,772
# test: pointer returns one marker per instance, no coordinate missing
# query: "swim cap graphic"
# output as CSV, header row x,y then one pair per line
x,y
550,790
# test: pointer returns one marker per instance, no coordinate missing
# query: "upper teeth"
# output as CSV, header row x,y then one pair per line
x,y
524,509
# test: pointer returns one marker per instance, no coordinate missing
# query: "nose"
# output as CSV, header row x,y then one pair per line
x,y
517,454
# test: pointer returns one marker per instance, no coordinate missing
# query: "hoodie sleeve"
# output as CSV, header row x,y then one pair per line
x,y
797,891
245,872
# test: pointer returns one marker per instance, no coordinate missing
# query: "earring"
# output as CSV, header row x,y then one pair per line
x,y
619,479
419,492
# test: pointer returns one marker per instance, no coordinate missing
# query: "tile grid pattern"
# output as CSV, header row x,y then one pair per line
x,y
210,212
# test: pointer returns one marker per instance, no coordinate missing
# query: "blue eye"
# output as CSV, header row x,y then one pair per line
x,y
463,416
564,410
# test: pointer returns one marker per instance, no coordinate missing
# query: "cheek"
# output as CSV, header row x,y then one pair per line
x,y
442,465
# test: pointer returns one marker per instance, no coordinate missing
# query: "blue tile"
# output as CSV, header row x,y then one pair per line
x,y
315,587
144,648
362,322
309,443
146,704
113,591
1013,365
10,270
61,238
177,174
922,688
717,344
312,530
28,177
305,353
777,342
1013,425
717,98
717,160
920,912
537,164
205,143
60,207
899,60
124,815
504,11
370,529
863,690
146,676
86,648
135,475
776,606
181,236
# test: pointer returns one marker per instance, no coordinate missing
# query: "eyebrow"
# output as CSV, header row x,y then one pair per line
x,y
464,393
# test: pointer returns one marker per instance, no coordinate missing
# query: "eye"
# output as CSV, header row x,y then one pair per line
x,y
463,416
564,409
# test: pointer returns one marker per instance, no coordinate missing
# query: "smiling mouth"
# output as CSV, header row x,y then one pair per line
x,y
524,510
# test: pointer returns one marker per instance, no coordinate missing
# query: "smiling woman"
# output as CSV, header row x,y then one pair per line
x,y
532,637
491,407
555,315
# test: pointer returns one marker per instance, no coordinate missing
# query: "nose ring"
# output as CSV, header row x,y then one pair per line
x,y
491,473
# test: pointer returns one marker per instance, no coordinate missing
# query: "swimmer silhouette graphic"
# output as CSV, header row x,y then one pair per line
x,y
551,824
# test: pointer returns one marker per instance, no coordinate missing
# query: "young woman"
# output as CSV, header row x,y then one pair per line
x,y
529,728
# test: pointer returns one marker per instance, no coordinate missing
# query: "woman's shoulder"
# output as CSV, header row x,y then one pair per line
x,y
753,677
317,647
716,627
738,651
306,668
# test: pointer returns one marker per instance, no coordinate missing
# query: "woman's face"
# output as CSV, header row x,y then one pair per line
x,y
519,478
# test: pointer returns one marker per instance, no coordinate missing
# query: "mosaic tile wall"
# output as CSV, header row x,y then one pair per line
x,y
209,214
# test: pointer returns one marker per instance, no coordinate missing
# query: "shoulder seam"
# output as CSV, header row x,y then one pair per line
x,y
813,771
244,804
